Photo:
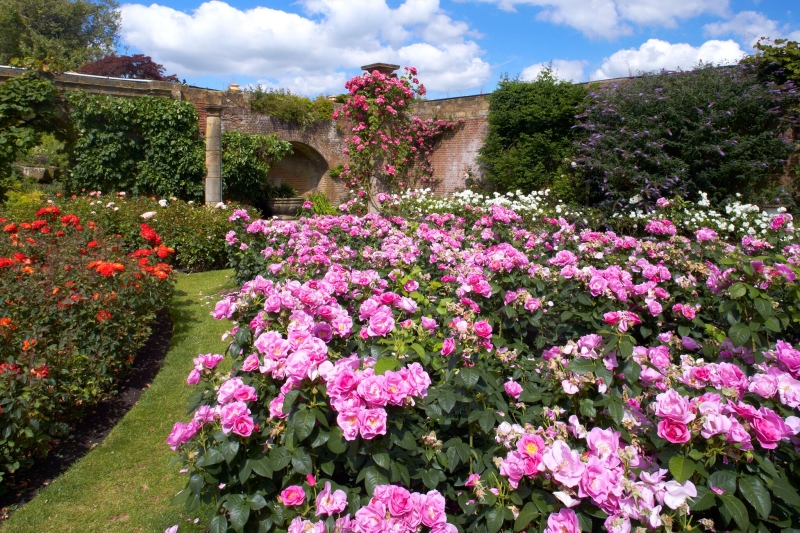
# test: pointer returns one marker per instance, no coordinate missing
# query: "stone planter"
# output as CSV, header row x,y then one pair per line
x,y
43,174
284,208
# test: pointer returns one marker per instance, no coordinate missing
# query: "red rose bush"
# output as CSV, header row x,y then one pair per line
x,y
75,309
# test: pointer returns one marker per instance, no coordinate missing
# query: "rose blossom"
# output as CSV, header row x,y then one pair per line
x,y
513,389
331,503
673,406
293,495
564,463
674,432
769,428
448,346
371,423
482,329
564,521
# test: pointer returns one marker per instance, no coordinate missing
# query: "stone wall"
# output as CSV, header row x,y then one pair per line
x,y
317,147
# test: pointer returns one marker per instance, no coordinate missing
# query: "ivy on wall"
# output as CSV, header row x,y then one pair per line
x,y
246,160
142,145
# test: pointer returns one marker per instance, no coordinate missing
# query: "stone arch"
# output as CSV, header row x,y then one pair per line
x,y
305,170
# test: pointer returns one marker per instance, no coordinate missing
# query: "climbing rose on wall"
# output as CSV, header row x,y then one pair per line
x,y
389,149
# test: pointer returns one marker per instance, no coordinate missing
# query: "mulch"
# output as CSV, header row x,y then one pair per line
x,y
93,428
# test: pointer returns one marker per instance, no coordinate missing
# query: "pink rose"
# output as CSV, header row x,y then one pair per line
x,y
293,495
348,422
603,442
675,432
513,389
371,518
673,406
243,426
410,286
371,423
432,511
194,377
400,502
428,323
564,521
276,408
330,502
448,346
598,480
482,329
564,463
769,428
381,323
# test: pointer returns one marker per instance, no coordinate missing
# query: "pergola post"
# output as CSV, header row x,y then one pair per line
x,y
213,154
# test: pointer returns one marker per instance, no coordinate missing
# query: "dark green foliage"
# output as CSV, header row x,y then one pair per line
x,y
290,107
779,61
529,144
714,129
70,32
140,145
27,108
246,160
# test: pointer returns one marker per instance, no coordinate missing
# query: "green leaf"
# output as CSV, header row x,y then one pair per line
x,y
773,324
582,365
212,457
526,516
469,376
304,422
738,290
626,348
587,408
739,333
447,399
723,479
737,510
764,307
229,449
705,499
419,349
681,468
382,459
336,442
783,490
218,524
372,478
487,421
279,458
385,364
261,466
302,462
239,514
289,399
256,502
431,477
756,494
616,410
494,519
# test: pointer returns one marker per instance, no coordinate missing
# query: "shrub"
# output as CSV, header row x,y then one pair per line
x,y
246,160
137,66
143,145
492,378
196,232
75,309
714,129
284,105
531,131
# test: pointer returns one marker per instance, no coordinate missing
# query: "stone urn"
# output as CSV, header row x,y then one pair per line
x,y
284,208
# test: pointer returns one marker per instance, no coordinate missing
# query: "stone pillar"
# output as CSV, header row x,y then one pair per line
x,y
213,154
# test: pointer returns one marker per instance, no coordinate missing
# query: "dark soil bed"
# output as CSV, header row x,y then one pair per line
x,y
95,426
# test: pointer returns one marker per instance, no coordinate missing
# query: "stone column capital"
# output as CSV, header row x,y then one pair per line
x,y
213,110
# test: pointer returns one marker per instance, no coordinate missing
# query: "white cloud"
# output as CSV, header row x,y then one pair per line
x,y
750,26
609,19
563,69
656,54
313,51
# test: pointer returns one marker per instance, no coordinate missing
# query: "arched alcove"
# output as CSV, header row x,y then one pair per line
x,y
303,170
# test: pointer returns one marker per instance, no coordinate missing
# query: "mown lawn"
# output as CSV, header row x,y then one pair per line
x,y
125,484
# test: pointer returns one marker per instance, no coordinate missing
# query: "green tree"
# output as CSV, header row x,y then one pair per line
x,y
69,31
531,133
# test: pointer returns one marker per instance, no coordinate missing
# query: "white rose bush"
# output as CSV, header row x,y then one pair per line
x,y
482,370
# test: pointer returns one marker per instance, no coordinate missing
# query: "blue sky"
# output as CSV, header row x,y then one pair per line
x,y
460,47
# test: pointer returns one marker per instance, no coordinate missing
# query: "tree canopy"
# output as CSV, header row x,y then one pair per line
x,y
137,66
70,32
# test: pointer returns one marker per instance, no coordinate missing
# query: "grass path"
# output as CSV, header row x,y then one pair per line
x,y
125,485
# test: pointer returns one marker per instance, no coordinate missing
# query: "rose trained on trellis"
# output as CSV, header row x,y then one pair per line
x,y
499,374
388,149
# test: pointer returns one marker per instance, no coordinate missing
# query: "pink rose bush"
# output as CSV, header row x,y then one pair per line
x,y
483,371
